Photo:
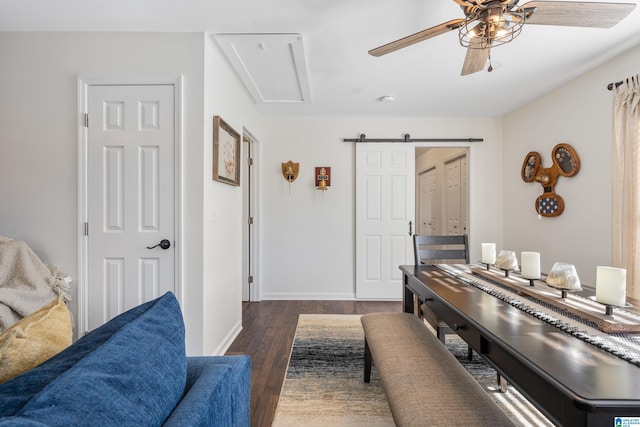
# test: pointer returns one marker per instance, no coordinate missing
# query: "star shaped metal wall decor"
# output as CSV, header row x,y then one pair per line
x,y
565,163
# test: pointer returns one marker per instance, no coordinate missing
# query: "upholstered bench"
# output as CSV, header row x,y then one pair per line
x,y
424,383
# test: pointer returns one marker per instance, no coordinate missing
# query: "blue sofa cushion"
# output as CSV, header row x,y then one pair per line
x,y
218,393
130,371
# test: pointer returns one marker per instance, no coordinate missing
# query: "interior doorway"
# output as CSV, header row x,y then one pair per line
x,y
250,190
442,190
129,203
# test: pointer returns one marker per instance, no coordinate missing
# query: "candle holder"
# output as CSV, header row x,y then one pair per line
x,y
486,264
608,308
564,277
611,285
530,268
506,271
564,291
506,261
488,254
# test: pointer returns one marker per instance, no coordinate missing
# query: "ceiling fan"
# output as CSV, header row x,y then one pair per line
x,y
490,23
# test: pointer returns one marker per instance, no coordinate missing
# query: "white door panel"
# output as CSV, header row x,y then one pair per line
x,y
130,201
423,218
428,199
464,200
453,197
385,185
434,203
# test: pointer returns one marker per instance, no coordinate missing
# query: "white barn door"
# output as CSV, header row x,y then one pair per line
x,y
131,140
385,204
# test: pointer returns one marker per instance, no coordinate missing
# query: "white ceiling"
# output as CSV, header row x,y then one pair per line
x,y
343,79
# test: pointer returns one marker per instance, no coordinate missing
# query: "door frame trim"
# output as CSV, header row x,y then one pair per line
x,y
255,294
469,153
83,84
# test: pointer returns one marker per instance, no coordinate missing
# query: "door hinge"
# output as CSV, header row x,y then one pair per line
x,y
250,220
250,160
86,228
250,279
85,120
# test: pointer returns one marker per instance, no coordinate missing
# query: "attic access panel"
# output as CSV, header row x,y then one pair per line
x,y
271,66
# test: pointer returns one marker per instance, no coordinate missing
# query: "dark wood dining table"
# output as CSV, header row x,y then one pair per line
x,y
572,382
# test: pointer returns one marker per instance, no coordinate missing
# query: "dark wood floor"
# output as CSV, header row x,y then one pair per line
x,y
268,331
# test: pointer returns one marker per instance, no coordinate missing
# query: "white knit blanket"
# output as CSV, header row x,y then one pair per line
x,y
26,283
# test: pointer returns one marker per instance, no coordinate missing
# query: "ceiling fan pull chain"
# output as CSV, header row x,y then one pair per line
x,y
490,69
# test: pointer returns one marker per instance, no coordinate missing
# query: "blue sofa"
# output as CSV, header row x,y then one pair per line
x,y
132,371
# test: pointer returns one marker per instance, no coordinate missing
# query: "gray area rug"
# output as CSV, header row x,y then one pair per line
x,y
324,382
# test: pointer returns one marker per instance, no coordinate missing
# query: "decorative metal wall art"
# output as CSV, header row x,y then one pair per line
x,y
323,177
290,172
565,163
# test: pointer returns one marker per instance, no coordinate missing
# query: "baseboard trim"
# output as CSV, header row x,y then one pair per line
x,y
305,296
229,339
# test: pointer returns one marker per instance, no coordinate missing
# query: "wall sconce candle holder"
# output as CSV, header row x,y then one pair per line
x,y
323,178
290,171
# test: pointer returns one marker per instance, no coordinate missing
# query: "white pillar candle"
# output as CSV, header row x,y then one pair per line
x,y
488,253
530,265
611,285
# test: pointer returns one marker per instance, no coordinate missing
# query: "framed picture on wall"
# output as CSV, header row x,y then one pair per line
x,y
226,153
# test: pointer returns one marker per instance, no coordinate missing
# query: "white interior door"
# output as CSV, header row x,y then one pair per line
x,y
428,203
453,197
385,203
434,203
131,139
464,199
423,207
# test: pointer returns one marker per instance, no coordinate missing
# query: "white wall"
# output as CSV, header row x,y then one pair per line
x,y
578,113
38,151
223,214
307,241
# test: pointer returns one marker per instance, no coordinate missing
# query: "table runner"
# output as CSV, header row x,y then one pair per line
x,y
624,346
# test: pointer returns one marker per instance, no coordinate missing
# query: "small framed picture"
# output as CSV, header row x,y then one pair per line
x,y
226,153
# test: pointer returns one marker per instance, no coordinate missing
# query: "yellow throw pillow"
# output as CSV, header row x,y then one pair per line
x,y
34,339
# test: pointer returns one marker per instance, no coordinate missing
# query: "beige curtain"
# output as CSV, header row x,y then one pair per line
x,y
625,167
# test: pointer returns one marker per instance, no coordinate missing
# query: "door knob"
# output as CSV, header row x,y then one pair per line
x,y
164,244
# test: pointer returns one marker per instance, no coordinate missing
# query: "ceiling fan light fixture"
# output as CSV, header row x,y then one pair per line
x,y
494,27
489,23
477,31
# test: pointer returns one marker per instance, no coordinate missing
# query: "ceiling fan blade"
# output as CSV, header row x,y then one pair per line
x,y
417,37
474,60
577,14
